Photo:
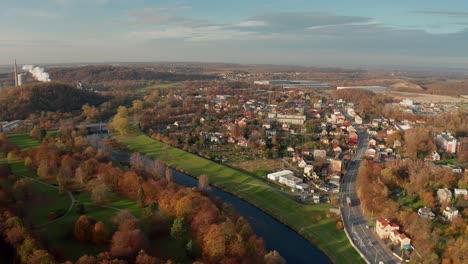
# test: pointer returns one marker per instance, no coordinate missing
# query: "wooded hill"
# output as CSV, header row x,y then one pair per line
x,y
20,102
96,74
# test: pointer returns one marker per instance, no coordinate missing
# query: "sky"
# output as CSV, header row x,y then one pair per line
x,y
343,33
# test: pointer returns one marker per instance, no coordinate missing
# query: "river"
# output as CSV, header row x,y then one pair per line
x,y
293,247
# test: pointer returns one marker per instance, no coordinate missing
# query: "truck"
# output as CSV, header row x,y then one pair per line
x,y
348,201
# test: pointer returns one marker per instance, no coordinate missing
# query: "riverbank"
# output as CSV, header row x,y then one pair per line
x,y
301,218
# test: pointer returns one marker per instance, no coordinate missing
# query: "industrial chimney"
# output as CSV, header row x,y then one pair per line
x,y
16,74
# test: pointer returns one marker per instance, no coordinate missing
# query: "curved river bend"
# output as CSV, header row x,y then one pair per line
x,y
293,247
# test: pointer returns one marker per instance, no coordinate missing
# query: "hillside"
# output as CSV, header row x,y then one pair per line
x,y
96,74
406,87
20,102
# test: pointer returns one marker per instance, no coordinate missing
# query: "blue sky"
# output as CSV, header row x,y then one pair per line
x,y
346,33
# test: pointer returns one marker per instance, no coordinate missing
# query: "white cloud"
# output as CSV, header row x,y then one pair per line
x,y
251,23
192,34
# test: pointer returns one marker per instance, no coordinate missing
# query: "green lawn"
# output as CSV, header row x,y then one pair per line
x,y
159,86
59,234
255,191
23,140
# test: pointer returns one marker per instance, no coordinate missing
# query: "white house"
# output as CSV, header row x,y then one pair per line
x,y
444,195
302,163
308,169
426,212
451,213
461,192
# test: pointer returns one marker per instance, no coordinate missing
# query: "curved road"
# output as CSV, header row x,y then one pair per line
x,y
363,237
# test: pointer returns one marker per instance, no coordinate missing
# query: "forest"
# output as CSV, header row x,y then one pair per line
x,y
20,102
165,223
96,74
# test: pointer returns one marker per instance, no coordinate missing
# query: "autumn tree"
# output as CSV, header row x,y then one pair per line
x,y
83,229
127,241
179,229
141,198
35,133
214,244
120,123
41,256
26,249
86,259
144,258
100,193
419,142
137,106
122,217
100,234
168,174
203,183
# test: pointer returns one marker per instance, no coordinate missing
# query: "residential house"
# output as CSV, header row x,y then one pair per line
x,y
325,140
242,142
383,228
214,139
308,170
316,198
444,195
451,213
335,180
398,238
425,212
370,153
372,132
302,163
337,149
336,165
320,154
461,192
372,142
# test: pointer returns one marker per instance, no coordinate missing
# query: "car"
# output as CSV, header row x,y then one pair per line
x,y
367,226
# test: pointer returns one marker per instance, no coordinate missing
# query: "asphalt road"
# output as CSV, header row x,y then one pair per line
x,y
356,224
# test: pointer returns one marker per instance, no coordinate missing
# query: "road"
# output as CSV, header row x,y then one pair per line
x,y
356,224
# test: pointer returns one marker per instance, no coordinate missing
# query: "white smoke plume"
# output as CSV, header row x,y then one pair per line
x,y
37,72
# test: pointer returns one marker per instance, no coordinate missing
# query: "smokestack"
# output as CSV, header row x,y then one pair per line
x,y
16,74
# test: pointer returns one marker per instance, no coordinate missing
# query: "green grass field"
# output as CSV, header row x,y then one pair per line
x,y
159,86
23,140
299,217
58,235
